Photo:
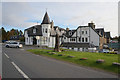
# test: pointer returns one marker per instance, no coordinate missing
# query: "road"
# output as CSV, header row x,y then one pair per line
x,y
18,63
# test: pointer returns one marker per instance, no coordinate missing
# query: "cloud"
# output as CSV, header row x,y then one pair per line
x,y
14,14
60,0
71,14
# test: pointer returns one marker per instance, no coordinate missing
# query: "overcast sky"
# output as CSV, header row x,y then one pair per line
x,y
21,15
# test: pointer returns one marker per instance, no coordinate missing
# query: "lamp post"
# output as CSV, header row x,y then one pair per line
x,y
38,37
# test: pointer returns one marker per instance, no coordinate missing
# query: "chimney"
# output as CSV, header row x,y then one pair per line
x,y
52,24
67,29
91,25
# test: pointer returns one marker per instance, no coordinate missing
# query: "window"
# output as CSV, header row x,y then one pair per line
x,y
86,32
72,39
46,39
27,39
49,39
79,39
46,30
72,48
43,30
34,31
82,32
82,39
86,39
70,33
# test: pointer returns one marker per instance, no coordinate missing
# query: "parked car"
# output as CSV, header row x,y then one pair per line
x,y
14,44
105,50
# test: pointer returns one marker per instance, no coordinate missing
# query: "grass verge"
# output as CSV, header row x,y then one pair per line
x,y
90,62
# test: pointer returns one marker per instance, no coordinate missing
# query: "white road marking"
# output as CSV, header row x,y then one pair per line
x,y
6,55
21,72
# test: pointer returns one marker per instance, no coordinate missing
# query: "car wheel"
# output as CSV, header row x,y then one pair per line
x,y
17,47
7,46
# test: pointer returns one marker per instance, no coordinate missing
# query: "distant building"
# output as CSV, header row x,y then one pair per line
x,y
16,37
108,37
105,37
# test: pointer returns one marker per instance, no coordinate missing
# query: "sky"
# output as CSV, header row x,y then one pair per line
x,y
22,15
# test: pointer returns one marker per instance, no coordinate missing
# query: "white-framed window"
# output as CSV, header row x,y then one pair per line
x,y
27,39
43,30
86,32
70,33
34,31
86,39
79,39
64,37
46,30
72,39
82,32
82,39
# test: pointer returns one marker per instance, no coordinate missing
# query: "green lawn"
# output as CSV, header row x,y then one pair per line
x,y
90,62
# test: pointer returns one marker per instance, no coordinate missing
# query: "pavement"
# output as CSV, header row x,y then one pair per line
x,y
18,63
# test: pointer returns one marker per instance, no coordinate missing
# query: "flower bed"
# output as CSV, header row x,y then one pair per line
x,y
53,53
71,56
60,54
83,58
115,63
99,61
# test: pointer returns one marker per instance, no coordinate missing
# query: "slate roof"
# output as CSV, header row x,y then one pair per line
x,y
100,30
38,30
68,33
107,34
46,19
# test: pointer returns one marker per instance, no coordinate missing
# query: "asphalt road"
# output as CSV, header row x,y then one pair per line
x,y
18,63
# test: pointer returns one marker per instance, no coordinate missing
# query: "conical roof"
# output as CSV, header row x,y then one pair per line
x,y
46,19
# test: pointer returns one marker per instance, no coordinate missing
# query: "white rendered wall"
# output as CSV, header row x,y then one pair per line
x,y
46,26
94,37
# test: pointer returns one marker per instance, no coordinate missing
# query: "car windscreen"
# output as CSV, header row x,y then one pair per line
x,y
14,43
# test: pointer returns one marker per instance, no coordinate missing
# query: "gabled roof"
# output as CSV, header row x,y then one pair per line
x,y
100,31
107,34
38,30
46,19
70,31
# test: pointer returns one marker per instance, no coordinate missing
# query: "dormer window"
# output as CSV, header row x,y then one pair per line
x,y
34,31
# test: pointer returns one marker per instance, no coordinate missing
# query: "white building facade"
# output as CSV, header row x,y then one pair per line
x,y
81,39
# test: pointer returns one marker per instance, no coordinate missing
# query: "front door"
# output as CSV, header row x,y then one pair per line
x,y
34,41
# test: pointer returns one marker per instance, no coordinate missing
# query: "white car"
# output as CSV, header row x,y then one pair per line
x,y
105,51
14,44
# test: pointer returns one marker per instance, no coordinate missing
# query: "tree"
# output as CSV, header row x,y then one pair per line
x,y
20,32
57,43
22,39
3,33
8,35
